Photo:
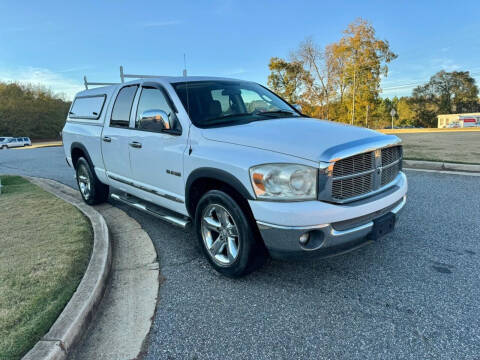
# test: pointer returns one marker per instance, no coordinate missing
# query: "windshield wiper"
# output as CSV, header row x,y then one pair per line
x,y
275,112
229,116
227,119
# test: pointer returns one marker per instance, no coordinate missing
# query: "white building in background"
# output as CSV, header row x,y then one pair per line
x,y
458,120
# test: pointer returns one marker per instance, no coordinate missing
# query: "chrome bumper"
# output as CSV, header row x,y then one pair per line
x,y
283,241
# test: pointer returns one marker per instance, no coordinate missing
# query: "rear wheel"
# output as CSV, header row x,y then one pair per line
x,y
226,235
92,190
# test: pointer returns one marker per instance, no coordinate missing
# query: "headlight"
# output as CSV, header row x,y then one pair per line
x,y
284,181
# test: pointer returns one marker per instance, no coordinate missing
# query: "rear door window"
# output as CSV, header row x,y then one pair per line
x,y
123,106
87,107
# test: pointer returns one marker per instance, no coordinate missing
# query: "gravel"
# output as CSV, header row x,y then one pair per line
x,y
413,294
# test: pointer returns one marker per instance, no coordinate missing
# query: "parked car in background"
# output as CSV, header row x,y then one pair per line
x,y
12,143
27,141
453,125
3,141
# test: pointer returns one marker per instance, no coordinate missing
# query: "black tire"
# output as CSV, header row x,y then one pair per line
x,y
251,253
97,192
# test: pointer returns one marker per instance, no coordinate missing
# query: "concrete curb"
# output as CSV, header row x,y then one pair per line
x,y
443,166
77,314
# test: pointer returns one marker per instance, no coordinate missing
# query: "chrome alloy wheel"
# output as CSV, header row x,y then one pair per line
x,y
83,179
220,234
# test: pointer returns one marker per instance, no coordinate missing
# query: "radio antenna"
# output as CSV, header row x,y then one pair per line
x,y
184,65
186,81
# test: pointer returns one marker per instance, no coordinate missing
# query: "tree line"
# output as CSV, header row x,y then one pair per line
x,y
341,82
27,110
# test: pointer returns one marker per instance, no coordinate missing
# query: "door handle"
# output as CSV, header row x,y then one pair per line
x,y
107,139
135,144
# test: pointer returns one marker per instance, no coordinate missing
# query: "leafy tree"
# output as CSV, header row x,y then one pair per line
x,y
31,111
444,93
340,82
364,58
318,76
449,92
406,113
286,78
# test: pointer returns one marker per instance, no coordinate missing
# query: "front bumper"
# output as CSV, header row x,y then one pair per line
x,y
342,228
283,242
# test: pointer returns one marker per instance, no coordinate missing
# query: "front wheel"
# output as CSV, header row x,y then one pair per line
x,y
92,190
226,235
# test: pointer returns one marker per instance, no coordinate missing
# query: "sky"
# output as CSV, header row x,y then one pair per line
x,y
56,43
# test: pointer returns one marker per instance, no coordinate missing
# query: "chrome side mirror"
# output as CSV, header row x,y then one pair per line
x,y
298,107
154,120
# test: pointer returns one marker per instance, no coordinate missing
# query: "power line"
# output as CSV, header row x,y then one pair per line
x,y
419,82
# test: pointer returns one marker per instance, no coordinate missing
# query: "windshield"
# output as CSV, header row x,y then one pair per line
x,y
221,103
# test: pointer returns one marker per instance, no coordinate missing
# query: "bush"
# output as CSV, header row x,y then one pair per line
x,y
31,111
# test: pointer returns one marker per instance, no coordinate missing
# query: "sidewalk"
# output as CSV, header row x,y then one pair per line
x,y
124,317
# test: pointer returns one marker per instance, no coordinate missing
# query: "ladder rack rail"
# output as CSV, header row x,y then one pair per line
x,y
123,76
86,83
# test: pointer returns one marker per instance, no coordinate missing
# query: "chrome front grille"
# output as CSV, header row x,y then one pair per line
x,y
364,173
391,164
390,173
354,164
350,187
391,154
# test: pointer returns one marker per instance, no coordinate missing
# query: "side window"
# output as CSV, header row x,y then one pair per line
x,y
153,99
87,107
123,106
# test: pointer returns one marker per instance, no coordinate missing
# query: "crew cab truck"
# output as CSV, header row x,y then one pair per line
x,y
254,176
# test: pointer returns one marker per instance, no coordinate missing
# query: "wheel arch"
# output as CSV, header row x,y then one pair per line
x,y
204,179
78,150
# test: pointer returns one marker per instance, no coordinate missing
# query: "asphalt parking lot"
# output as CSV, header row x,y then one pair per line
x,y
413,295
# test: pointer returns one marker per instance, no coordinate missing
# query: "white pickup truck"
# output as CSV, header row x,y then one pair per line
x,y
252,174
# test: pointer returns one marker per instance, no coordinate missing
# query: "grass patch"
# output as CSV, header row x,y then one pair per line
x,y
45,246
455,147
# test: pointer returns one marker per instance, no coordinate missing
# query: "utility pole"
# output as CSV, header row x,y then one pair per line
x,y
366,116
353,97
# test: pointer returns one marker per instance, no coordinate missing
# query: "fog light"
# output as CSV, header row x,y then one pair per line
x,y
304,238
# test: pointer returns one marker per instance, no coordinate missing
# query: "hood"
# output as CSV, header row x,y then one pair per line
x,y
311,139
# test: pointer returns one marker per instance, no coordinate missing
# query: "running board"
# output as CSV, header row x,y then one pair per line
x,y
154,210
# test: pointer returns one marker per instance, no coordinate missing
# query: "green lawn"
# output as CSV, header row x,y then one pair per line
x,y
45,246
459,147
